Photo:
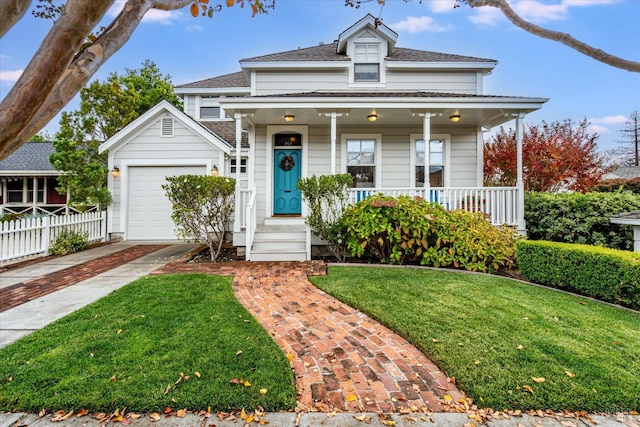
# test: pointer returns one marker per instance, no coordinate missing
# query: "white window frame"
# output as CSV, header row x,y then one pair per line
x,y
446,156
381,47
377,152
244,163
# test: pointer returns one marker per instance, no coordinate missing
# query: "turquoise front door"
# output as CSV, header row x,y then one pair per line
x,y
286,173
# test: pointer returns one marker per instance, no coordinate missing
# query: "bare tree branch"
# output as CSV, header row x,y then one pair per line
x,y
11,11
564,38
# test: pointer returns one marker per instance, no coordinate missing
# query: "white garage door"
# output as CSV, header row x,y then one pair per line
x,y
149,210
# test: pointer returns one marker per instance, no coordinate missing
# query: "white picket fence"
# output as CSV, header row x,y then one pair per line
x,y
33,236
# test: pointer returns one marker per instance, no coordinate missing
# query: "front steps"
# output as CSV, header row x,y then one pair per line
x,y
279,242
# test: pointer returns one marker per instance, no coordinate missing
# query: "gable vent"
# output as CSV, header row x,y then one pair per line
x,y
166,125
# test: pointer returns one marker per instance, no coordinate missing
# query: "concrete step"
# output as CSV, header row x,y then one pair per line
x,y
278,256
278,245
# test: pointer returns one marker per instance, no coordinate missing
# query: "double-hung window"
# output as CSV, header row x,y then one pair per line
x,y
361,161
366,62
436,163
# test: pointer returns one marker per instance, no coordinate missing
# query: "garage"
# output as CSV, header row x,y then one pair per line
x,y
149,209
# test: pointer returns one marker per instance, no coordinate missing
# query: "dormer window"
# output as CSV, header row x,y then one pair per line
x,y
366,62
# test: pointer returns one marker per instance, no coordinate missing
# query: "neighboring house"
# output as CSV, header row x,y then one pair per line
x,y
359,105
624,172
28,182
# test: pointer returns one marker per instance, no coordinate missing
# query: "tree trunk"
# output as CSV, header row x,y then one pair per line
x,y
11,11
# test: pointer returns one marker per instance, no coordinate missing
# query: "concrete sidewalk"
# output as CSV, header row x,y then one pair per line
x,y
32,315
311,419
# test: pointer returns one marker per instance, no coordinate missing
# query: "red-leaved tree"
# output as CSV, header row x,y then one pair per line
x,y
554,156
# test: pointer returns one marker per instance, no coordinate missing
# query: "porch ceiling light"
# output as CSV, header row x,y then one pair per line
x,y
115,172
289,117
455,118
372,117
214,171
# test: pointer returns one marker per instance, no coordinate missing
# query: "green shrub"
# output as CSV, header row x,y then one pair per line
x,y
618,185
201,207
407,230
580,218
68,242
606,274
327,197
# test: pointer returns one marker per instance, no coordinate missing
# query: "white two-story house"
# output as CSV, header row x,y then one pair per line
x,y
401,121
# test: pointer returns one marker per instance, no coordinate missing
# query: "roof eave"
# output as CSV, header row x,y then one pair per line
x,y
295,64
213,90
461,65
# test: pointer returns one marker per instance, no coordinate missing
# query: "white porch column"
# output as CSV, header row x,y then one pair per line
x,y
426,136
238,202
522,226
333,141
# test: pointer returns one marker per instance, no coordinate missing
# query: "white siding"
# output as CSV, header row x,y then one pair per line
x,y
149,148
432,81
276,82
464,157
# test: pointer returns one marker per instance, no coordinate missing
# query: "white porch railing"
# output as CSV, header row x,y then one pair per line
x,y
33,236
48,209
244,195
251,222
500,204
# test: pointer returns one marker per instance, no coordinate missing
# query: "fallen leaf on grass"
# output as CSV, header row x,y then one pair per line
x,y
119,331
239,352
113,378
167,410
247,384
520,347
197,374
529,389
538,380
166,391
263,391
477,363
234,381
570,374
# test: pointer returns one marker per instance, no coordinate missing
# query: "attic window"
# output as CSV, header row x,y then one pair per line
x,y
209,112
166,125
366,62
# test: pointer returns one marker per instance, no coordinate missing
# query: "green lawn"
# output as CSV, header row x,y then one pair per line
x,y
127,348
495,335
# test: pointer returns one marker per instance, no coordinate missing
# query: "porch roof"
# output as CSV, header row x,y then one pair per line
x,y
392,108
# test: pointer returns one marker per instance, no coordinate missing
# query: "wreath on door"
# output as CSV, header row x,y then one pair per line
x,y
287,163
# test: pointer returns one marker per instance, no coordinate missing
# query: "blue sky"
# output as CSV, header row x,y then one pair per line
x,y
578,87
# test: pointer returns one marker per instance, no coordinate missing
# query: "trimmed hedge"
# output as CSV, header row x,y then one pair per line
x,y
606,274
617,185
580,218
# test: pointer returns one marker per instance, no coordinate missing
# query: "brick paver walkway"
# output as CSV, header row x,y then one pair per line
x,y
20,293
342,359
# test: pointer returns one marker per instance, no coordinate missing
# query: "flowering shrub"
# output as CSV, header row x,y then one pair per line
x,y
407,230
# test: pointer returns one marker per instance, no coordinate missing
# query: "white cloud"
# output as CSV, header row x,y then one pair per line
x,y
442,6
195,27
539,12
418,24
487,17
153,15
10,76
609,120
601,130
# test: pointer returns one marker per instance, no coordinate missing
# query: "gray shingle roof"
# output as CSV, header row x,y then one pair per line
x,y
32,156
381,94
327,52
226,130
627,172
237,79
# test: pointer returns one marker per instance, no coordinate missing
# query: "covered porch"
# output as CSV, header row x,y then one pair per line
x,y
393,125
